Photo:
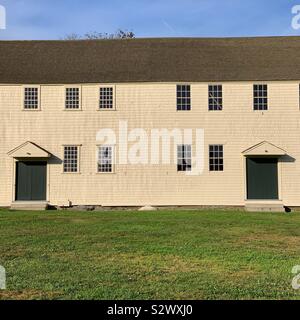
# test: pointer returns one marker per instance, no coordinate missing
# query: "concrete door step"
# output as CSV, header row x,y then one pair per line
x,y
29,205
264,207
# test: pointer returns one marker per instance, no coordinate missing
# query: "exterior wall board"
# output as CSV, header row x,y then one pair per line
x,y
152,105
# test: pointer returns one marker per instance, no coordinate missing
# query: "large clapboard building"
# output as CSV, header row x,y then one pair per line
x,y
243,93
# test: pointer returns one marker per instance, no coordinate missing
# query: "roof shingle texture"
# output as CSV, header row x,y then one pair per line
x,y
150,60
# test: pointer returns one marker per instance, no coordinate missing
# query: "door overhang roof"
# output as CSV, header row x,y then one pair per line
x,y
29,150
264,148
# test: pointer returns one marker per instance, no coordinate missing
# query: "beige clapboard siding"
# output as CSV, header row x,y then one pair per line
x,y
148,106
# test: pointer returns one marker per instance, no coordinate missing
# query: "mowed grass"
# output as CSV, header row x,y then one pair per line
x,y
149,255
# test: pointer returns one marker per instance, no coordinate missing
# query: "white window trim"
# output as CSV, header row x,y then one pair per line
x,y
114,97
78,157
113,158
23,97
80,97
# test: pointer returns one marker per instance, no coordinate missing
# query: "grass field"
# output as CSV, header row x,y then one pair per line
x,y
152,255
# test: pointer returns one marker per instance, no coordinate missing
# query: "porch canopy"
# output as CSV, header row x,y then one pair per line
x,y
264,149
29,150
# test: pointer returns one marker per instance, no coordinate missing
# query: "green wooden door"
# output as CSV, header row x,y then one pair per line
x,y
262,178
31,181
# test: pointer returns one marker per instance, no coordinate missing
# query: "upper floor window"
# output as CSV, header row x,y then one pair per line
x,y
183,97
216,160
260,96
71,156
106,98
72,98
215,97
105,159
31,98
184,157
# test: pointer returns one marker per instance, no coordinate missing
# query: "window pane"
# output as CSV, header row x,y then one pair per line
x,y
106,98
72,98
71,159
31,98
216,157
184,157
183,97
260,97
105,159
215,98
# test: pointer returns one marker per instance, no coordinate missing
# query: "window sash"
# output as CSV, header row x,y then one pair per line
x,y
31,98
184,157
215,97
106,98
216,157
72,98
71,157
183,97
105,162
260,97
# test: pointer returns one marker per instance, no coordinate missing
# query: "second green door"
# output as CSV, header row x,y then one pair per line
x,y
262,178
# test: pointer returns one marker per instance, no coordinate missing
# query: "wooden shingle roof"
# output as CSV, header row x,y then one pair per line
x,y
150,60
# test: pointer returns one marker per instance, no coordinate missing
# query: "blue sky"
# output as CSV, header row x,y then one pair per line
x,y
45,19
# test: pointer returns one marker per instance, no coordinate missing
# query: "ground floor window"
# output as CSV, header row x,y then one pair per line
x,y
184,157
105,159
71,155
216,160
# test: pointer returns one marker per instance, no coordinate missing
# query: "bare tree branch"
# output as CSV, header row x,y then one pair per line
x,y
119,34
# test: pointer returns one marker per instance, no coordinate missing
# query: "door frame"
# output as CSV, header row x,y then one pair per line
x,y
279,176
14,184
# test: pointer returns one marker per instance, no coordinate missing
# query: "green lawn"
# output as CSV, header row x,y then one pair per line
x,y
152,255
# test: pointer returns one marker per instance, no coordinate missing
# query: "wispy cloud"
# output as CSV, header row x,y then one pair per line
x,y
169,27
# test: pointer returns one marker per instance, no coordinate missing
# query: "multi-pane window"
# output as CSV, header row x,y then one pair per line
x,y
71,158
72,98
184,157
215,97
31,98
106,98
216,160
183,97
105,159
260,96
